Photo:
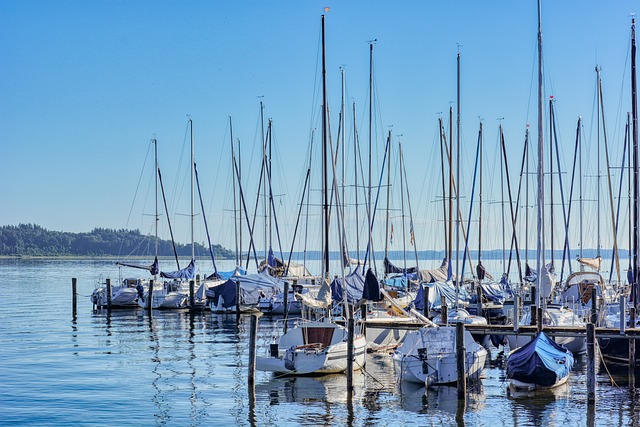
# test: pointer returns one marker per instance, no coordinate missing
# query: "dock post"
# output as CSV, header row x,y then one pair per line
x,y
150,297
108,294
479,293
623,312
516,312
594,306
460,358
253,336
350,356
632,350
238,301
591,364
286,304
444,310
540,319
534,307
74,296
192,296
425,301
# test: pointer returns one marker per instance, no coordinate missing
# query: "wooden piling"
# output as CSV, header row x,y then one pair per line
x,y
540,320
445,310
192,295
150,297
425,300
460,358
632,350
623,313
591,364
253,336
594,306
108,294
286,301
238,301
350,356
479,294
74,296
534,307
516,312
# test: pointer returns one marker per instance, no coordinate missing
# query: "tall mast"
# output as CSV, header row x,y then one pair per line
x,y
449,157
480,207
369,213
386,233
264,189
458,278
540,229
235,217
155,145
598,155
551,177
192,195
634,112
355,172
325,188
526,198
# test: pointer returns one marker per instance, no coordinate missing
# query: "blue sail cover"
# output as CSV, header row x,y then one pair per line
x,y
392,269
371,289
436,291
354,284
185,273
226,275
541,361
398,282
252,288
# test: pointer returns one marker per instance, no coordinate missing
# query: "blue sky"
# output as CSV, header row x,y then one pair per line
x,y
86,85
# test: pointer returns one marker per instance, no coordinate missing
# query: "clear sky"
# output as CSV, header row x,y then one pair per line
x,y
85,85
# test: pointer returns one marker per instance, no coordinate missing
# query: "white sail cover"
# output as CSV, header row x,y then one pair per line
x,y
591,262
322,300
547,281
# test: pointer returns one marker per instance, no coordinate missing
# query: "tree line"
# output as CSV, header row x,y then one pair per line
x,y
33,240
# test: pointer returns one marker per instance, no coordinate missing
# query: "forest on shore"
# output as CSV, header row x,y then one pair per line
x,y
34,240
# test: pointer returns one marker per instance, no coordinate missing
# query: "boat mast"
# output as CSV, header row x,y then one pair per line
x,y
235,212
325,204
369,213
386,233
634,112
458,278
540,227
264,189
192,195
551,177
155,145
479,267
599,171
355,172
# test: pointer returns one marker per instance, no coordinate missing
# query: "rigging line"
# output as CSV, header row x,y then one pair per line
x,y
135,195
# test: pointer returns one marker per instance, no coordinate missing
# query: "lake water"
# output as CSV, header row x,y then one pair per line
x,y
181,369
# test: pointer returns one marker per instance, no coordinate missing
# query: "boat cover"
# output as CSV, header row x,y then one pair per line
x,y
541,361
392,269
440,274
436,291
252,288
354,285
185,273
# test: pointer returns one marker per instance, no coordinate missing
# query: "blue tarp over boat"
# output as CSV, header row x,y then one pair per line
x,y
436,291
354,285
185,273
252,288
541,361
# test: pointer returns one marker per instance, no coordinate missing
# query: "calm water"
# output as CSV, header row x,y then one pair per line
x,y
177,369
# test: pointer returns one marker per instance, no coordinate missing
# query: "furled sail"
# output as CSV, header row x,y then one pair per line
x,y
185,273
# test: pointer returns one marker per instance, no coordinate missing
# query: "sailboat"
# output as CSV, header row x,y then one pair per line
x,y
541,363
317,346
128,293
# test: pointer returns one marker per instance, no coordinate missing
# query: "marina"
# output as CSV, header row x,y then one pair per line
x,y
500,300
176,368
